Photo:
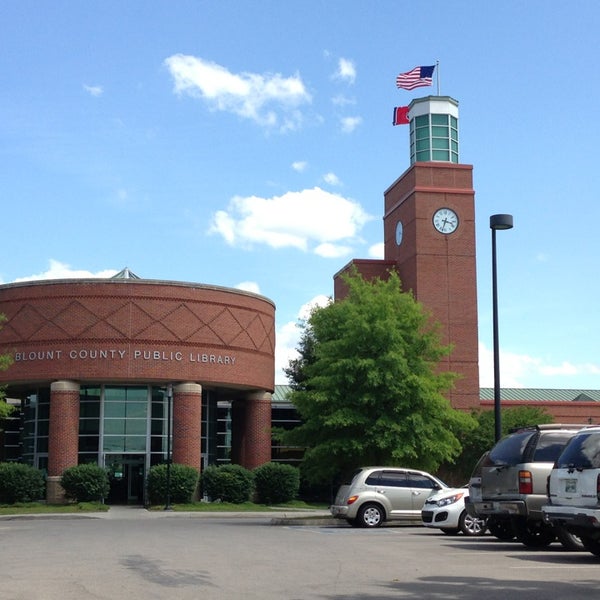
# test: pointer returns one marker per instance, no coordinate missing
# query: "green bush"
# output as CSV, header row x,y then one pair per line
x,y
228,483
20,483
183,482
276,483
85,483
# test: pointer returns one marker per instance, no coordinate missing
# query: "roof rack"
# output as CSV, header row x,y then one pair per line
x,y
545,426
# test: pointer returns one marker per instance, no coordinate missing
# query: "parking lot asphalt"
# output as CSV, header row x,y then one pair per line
x,y
186,556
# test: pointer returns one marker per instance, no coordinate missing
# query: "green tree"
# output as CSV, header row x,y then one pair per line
x,y
367,385
5,362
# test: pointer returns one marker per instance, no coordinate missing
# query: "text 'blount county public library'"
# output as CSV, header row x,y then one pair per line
x,y
101,364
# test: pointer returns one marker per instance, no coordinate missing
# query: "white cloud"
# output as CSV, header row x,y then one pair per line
x,y
299,165
349,124
60,270
377,251
288,338
341,100
295,219
567,368
249,286
93,90
270,99
346,71
522,370
332,250
331,179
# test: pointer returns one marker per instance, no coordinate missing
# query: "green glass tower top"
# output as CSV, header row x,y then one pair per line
x,y
433,129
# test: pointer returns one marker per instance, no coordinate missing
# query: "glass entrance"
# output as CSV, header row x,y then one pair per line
x,y
126,476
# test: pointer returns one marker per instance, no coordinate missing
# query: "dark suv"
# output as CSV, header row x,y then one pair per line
x,y
513,485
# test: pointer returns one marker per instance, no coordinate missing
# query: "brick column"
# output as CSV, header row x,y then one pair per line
x,y
187,424
63,436
254,438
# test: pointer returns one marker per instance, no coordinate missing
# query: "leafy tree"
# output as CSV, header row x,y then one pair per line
x,y
5,361
367,385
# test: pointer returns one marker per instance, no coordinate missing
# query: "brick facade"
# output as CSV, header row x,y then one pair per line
x,y
187,419
65,334
581,413
251,430
439,269
137,331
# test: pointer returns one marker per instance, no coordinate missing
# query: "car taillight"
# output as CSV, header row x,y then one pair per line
x,y
351,500
525,482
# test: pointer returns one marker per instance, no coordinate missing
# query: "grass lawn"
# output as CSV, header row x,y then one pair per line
x,y
33,508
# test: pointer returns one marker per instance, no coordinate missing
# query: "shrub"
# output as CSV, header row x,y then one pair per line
x,y
184,480
20,483
228,483
276,483
85,483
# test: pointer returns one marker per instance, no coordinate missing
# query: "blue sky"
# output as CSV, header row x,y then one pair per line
x,y
248,144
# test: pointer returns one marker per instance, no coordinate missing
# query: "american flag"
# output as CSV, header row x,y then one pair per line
x,y
418,77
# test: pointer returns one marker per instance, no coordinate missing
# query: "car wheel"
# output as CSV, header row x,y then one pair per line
x,y
534,534
501,529
591,545
568,540
370,515
471,525
450,530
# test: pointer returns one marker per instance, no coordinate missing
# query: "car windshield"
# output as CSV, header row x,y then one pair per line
x,y
583,452
509,451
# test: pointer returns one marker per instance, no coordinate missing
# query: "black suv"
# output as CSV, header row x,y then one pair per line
x,y
513,482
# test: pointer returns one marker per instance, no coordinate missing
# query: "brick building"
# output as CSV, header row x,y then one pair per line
x,y
429,240
100,364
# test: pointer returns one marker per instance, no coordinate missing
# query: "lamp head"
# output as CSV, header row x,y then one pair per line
x,y
501,222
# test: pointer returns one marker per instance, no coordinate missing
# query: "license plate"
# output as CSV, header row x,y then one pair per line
x,y
570,486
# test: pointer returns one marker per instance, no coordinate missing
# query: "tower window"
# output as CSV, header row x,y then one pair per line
x,y
434,138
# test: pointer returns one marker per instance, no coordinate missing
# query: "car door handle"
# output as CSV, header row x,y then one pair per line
x,y
380,491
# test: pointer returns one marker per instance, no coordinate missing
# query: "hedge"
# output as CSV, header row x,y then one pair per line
x,y
85,483
228,483
182,485
20,483
276,483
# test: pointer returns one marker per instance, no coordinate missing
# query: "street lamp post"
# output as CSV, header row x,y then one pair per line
x,y
169,452
497,222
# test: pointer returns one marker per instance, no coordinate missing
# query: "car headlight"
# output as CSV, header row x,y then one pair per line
x,y
450,499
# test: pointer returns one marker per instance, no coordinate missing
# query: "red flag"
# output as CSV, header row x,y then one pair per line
x,y
400,115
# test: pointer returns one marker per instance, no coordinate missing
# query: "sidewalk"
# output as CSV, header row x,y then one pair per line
x,y
275,516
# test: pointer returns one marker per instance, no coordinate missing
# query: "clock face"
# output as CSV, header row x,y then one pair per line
x,y
445,220
399,232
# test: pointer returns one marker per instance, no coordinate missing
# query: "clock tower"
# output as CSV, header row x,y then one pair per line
x,y
429,238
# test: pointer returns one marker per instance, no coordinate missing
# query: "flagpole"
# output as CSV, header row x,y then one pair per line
x,y
437,70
